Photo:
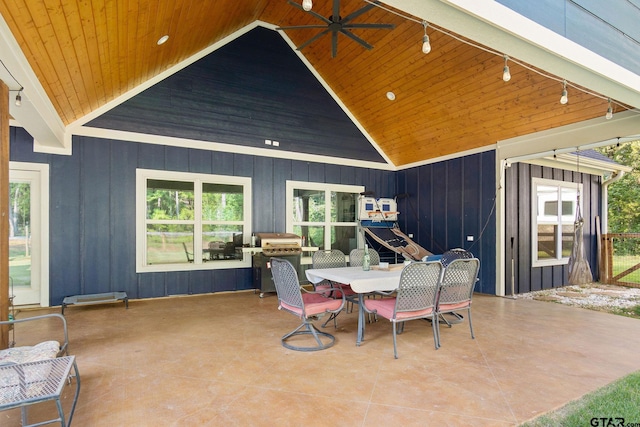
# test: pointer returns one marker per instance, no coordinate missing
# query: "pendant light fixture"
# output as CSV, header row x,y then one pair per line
x,y
609,115
564,98
506,74
307,5
426,46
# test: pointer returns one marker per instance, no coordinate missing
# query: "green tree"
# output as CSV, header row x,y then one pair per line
x,y
624,195
20,202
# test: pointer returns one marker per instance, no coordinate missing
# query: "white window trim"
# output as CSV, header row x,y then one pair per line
x,y
535,182
142,175
328,188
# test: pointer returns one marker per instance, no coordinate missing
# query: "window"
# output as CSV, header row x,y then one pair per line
x,y
553,212
323,214
191,221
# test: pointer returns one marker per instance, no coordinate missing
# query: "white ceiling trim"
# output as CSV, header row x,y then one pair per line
x,y
37,114
598,132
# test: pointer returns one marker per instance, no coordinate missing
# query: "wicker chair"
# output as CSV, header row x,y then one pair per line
x,y
307,306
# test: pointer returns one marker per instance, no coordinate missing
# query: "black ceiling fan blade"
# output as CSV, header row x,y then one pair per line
x,y
356,38
336,11
312,39
359,12
299,27
334,44
386,26
310,12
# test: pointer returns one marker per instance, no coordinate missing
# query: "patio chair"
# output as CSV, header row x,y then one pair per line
x,y
453,254
356,257
415,298
187,253
44,350
333,258
306,305
456,290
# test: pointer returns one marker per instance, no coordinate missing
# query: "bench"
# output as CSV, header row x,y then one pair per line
x,y
95,299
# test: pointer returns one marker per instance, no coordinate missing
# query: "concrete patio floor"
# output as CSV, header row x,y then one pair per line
x,y
216,359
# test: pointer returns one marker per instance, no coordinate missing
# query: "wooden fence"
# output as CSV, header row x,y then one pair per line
x,y
620,259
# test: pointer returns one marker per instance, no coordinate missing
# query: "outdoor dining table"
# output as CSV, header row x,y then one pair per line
x,y
362,282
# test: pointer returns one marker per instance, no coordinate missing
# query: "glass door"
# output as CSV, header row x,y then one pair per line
x,y
28,254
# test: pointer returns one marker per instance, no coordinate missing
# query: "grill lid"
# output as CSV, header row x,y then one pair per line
x,y
277,244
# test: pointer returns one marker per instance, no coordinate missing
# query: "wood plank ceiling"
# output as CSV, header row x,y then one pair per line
x,y
87,53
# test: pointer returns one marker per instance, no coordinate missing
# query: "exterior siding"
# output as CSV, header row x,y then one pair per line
x,y
251,89
92,211
519,222
608,28
448,201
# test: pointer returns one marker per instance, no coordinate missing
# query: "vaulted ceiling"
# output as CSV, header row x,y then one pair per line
x,y
88,54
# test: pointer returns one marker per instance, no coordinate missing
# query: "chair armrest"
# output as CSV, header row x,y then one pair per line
x,y
63,346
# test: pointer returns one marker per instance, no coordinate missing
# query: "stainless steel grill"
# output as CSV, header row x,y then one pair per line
x,y
281,245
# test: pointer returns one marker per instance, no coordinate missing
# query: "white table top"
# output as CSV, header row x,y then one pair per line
x,y
361,281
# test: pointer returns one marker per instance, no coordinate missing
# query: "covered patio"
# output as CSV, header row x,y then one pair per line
x,y
216,359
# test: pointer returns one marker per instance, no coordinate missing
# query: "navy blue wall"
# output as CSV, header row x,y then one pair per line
x,y
518,225
253,88
608,28
448,201
92,210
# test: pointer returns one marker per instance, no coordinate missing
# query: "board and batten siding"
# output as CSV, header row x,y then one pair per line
x,y
449,201
518,225
92,210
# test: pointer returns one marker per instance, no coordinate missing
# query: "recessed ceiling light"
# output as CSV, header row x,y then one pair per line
x,y
163,39
391,96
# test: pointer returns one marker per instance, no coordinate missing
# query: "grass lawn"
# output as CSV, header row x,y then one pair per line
x,y
616,404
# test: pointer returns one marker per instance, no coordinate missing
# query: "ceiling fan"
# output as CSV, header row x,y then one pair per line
x,y
336,24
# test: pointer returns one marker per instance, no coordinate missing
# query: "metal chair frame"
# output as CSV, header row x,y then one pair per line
x,y
291,299
356,257
331,258
416,298
456,290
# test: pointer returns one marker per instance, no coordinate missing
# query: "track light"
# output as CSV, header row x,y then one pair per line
x,y
19,98
565,97
426,46
307,5
506,75
609,115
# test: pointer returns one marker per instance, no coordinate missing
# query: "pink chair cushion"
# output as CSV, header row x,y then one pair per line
x,y
347,290
385,307
315,304
453,307
335,293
